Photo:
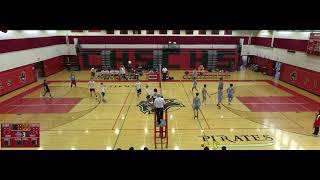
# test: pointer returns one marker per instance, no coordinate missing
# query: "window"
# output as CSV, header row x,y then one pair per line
x,y
110,31
202,32
189,32
228,32
150,31
175,31
123,31
215,32
136,31
162,31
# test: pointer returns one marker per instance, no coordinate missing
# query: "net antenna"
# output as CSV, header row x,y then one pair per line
x,y
160,76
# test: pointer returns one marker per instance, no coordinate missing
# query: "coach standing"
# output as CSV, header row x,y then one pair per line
x,y
159,103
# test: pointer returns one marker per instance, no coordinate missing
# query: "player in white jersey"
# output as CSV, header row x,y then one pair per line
x,y
103,91
148,92
138,87
92,88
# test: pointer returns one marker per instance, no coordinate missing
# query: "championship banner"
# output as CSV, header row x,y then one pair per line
x,y
314,44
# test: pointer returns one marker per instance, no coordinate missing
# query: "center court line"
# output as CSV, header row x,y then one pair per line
x,y
125,117
202,129
121,109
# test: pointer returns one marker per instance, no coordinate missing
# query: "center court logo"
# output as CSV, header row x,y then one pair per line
x,y
147,106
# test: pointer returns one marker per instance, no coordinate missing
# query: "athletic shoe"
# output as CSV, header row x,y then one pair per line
x,y
157,124
163,123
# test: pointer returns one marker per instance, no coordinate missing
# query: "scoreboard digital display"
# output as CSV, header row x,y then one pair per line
x,y
20,135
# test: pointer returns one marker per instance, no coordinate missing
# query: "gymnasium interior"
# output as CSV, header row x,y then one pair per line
x,y
274,73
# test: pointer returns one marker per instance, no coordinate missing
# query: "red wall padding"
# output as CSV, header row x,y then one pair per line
x,y
263,62
291,44
260,41
13,76
53,65
182,59
94,59
29,43
306,79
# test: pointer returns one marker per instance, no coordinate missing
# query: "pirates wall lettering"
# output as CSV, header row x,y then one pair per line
x,y
315,84
306,81
1,87
233,139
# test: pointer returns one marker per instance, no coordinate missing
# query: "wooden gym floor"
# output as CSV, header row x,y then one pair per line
x,y
265,115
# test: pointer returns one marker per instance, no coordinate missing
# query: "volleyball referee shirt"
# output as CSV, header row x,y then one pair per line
x,y
159,102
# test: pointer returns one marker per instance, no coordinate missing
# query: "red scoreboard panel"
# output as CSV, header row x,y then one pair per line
x,y
20,135
314,44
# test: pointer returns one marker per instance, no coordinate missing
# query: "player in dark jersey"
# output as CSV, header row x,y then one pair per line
x,y
46,88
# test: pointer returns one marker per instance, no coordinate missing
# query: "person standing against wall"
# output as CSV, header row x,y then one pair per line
x,y
316,124
93,72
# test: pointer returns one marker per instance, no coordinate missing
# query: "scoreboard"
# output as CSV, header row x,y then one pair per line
x,y
314,44
20,135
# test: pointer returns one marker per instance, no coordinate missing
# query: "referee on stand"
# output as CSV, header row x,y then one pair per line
x,y
159,103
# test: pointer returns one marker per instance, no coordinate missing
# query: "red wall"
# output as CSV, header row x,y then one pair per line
x,y
13,75
263,62
306,79
260,41
94,60
53,65
291,44
29,43
182,59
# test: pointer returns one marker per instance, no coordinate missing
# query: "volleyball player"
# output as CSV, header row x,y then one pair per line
x,y
204,94
196,105
46,88
91,85
103,91
73,80
220,92
148,92
230,93
194,84
194,73
93,72
138,87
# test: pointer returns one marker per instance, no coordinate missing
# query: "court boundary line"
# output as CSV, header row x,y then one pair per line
x,y
121,110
